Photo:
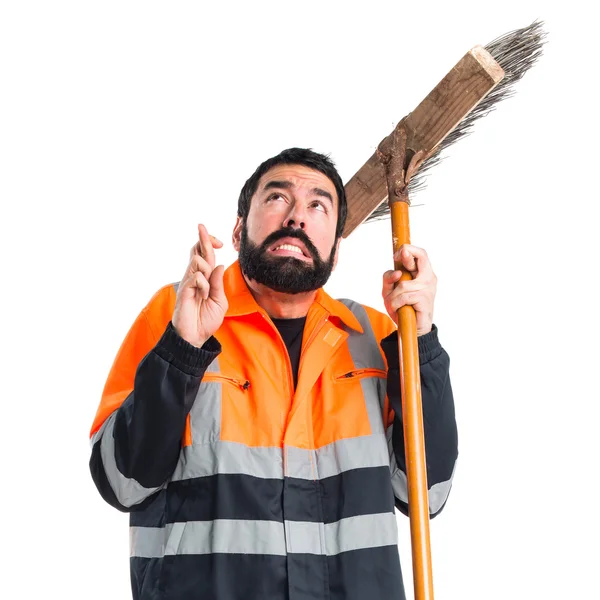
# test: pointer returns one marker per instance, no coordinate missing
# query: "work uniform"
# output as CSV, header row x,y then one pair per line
x,y
242,483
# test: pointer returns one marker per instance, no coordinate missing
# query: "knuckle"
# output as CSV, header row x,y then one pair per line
x,y
199,263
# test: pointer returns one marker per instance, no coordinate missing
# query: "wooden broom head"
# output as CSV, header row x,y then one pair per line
x,y
471,90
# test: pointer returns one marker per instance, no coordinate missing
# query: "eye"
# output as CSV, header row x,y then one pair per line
x,y
275,196
319,205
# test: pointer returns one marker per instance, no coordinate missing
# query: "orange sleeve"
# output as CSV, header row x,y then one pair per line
x,y
141,338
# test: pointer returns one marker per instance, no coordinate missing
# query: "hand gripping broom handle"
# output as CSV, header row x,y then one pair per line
x,y
399,168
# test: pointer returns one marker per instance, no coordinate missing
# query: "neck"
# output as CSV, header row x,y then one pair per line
x,y
279,305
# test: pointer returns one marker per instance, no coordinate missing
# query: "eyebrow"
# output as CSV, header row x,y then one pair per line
x,y
286,185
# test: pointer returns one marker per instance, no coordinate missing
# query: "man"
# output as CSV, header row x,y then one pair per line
x,y
251,424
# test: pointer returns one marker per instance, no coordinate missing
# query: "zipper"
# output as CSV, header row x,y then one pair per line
x,y
244,385
290,379
361,373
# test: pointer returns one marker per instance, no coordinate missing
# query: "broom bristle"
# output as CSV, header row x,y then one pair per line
x,y
516,52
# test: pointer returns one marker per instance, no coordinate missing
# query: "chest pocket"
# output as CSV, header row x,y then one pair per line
x,y
357,374
368,371
368,386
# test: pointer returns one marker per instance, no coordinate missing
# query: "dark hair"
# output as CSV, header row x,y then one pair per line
x,y
297,156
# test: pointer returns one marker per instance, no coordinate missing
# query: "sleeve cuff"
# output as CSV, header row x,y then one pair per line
x,y
429,347
189,359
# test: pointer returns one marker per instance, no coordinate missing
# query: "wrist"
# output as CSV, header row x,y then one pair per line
x,y
184,355
196,342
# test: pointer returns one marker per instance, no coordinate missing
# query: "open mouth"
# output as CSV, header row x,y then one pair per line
x,y
288,248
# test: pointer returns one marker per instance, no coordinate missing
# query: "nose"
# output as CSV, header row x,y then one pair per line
x,y
296,217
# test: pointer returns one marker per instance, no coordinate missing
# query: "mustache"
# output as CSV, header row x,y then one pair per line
x,y
291,233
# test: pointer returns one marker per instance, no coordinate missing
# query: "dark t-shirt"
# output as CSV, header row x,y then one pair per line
x,y
291,331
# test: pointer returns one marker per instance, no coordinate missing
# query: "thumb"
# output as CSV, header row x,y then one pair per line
x,y
389,281
217,287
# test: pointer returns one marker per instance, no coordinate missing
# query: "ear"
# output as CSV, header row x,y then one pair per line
x,y
237,233
337,252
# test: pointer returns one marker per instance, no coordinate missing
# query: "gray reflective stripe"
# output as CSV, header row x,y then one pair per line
x,y
128,491
305,538
353,533
365,352
205,416
213,458
366,531
233,536
147,542
437,493
399,482
176,286
203,460
337,457
223,536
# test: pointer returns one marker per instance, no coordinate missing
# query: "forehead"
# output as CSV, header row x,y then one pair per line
x,y
300,177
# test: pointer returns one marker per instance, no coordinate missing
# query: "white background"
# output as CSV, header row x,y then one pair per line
x,y
124,124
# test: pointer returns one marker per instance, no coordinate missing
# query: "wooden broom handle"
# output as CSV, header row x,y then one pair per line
x,y
412,417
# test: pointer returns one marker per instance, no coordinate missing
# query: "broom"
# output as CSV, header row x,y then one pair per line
x,y
381,189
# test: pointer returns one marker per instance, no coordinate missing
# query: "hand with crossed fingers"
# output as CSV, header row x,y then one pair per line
x,y
201,302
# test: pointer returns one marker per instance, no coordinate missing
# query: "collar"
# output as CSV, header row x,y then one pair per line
x,y
242,302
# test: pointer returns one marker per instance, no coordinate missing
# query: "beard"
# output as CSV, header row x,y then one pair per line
x,y
284,273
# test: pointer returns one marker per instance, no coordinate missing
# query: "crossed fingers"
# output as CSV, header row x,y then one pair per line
x,y
202,261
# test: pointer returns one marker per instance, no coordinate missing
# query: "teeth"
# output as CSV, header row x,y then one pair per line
x,y
289,247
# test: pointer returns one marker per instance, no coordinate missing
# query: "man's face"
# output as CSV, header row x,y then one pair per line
x,y
288,240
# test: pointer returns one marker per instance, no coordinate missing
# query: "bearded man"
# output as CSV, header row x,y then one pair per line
x,y
251,424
